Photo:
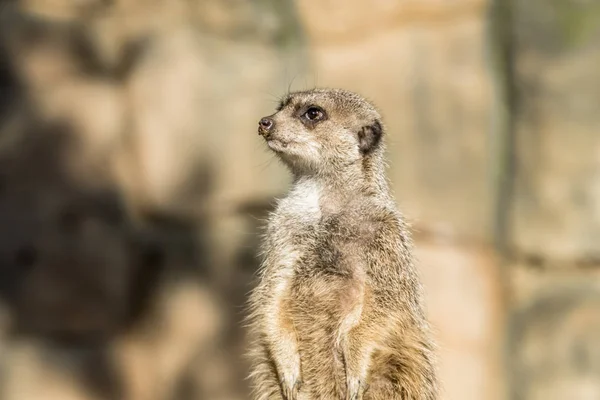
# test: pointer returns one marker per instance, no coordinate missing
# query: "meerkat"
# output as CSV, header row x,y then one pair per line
x,y
338,312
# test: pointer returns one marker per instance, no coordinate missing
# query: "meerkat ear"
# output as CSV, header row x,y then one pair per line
x,y
369,137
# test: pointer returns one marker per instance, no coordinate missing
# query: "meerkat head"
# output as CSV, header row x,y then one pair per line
x,y
323,130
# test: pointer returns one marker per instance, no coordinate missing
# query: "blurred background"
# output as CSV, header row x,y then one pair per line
x,y
133,184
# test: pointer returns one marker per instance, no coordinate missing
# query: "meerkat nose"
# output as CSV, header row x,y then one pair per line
x,y
264,126
266,123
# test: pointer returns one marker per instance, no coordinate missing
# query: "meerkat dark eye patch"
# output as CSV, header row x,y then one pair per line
x,y
369,137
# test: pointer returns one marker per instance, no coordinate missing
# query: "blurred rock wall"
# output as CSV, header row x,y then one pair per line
x,y
553,210
133,185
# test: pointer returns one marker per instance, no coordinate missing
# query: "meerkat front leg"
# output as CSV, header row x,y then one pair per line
x,y
281,338
284,351
357,355
356,352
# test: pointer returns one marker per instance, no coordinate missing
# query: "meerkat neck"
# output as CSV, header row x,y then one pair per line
x,y
335,191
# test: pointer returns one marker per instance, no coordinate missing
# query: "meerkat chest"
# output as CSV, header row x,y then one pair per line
x,y
317,253
292,228
326,284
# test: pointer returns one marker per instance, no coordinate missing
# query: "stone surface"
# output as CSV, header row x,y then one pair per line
x,y
556,204
196,121
465,306
554,335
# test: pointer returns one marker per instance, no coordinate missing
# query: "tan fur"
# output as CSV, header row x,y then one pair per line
x,y
338,311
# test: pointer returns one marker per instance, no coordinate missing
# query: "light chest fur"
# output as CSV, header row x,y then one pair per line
x,y
302,204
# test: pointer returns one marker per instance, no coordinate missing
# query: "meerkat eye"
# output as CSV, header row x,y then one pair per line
x,y
314,114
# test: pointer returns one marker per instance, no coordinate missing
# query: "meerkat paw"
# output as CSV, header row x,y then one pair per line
x,y
290,387
290,382
354,388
